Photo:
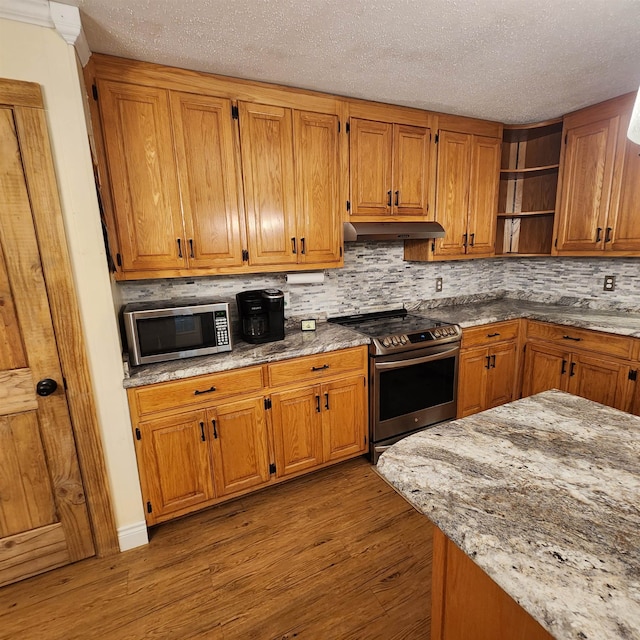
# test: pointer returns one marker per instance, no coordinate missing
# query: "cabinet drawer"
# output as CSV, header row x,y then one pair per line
x,y
574,339
209,388
317,367
489,333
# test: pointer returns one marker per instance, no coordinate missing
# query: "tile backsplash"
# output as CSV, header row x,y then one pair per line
x,y
375,277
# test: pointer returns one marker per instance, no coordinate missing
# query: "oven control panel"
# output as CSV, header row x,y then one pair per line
x,y
438,334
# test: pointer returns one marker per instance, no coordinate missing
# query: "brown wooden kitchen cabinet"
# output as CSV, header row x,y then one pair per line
x,y
390,169
600,173
488,367
586,363
323,420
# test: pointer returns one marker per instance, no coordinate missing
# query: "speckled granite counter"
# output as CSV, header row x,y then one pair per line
x,y
327,337
470,315
544,495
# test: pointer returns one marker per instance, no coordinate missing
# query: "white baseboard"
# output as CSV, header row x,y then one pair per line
x,y
132,536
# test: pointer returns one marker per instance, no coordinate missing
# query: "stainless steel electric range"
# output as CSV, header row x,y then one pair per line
x,y
413,373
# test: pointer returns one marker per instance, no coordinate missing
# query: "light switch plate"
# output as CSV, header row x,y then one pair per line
x,y
609,283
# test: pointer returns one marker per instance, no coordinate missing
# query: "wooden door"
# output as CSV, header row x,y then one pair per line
x,y
501,379
483,195
624,220
205,152
600,380
266,138
472,381
319,211
240,450
344,417
411,170
452,192
297,429
586,185
136,122
175,467
545,368
370,145
43,512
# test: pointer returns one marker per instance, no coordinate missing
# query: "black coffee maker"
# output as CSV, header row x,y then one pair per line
x,y
261,315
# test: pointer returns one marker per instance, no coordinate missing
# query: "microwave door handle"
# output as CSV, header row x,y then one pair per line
x,y
395,364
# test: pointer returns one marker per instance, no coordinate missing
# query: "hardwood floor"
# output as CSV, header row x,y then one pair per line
x,y
336,555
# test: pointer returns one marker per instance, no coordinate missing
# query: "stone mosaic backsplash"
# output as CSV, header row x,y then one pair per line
x,y
376,277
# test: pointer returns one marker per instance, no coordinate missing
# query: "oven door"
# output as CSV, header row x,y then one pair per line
x,y
412,390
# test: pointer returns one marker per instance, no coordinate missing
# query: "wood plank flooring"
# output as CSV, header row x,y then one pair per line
x,y
336,555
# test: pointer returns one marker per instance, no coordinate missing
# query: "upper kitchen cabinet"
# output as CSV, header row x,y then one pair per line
x,y
392,161
600,174
528,186
211,175
468,172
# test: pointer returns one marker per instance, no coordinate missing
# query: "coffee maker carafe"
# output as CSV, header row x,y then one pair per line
x,y
261,315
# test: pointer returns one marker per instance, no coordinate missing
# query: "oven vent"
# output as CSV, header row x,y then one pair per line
x,y
358,231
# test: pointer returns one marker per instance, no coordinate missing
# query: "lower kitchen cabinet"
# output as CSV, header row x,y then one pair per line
x,y
487,376
203,440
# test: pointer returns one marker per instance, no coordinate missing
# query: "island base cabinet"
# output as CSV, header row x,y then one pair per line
x,y
466,604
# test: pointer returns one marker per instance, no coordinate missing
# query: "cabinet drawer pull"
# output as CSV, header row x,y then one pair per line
x,y
293,246
598,234
215,431
571,338
202,436
397,198
492,335
464,240
488,365
388,198
572,372
191,248
197,392
322,368
473,239
317,403
326,401
564,368
607,235
179,241
493,361
302,246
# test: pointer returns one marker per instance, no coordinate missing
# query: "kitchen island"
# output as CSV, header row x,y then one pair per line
x,y
543,494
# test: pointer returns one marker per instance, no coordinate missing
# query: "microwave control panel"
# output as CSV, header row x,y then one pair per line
x,y
222,328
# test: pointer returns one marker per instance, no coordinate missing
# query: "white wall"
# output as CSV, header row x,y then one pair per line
x,y
39,54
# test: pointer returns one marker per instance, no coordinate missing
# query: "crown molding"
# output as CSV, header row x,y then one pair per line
x,y
65,19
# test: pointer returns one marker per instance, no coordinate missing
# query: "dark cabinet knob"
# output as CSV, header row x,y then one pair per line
x,y
46,387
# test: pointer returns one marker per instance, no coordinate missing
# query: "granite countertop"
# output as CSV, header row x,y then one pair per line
x,y
478,313
327,337
544,495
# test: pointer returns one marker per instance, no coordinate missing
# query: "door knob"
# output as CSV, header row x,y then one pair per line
x,y
46,387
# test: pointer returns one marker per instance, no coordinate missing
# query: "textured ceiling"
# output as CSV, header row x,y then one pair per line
x,y
507,60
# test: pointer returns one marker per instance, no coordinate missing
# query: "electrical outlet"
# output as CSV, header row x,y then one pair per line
x,y
438,284
287,299
609,283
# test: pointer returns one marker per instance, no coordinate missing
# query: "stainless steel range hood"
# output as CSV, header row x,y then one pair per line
x,y
356,231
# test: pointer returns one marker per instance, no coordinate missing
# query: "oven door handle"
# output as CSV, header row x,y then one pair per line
x,y
439,355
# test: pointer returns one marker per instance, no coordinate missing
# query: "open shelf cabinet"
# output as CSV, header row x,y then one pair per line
x,y
528,185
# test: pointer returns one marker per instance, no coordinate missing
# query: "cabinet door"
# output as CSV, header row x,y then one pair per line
x,y
137,130
544,368
344,417
204,140
452,192
483,195
472,381
319,215
370,167
240,451
175,464
501,378
586,186
624,221
601,380
297,429
266,139
411,170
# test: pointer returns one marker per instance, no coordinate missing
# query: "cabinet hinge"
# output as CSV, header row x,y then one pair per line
x,y
341,252
267,403
149,507
365,440
234,112
245,255
437,137
565,138
348,205
347,127
272,468
633,374
555,243
138,434
433,245
524,348
64,383
118,259
94,92
338,126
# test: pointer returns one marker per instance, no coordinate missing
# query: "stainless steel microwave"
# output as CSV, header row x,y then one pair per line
x,y
169,330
